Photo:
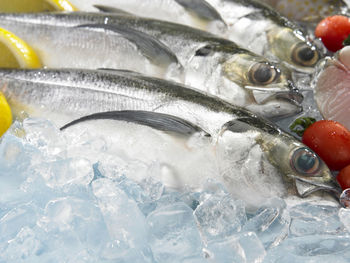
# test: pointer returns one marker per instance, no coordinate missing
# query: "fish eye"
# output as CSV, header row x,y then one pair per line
x,y
305,55
305,161
263,73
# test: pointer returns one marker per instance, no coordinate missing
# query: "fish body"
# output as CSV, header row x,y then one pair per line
x,y
211,64
76,93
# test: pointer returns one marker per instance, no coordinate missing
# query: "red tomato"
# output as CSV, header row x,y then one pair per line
x,y
333,30
331,141
343,177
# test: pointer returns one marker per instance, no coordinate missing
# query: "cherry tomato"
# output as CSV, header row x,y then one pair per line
x,y
331,141
333,30
343,177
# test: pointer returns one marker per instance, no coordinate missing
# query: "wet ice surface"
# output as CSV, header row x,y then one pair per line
x,y
68,199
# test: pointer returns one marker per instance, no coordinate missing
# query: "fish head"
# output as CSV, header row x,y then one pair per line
x,y
291,47
268,84
303,171
300,166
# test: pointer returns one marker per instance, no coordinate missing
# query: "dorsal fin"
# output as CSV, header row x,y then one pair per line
x,y
202,9
109,9
155,120
150,47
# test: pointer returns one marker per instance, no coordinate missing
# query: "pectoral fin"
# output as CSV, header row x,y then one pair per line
x,y
202,9
150,47
158,121
245,124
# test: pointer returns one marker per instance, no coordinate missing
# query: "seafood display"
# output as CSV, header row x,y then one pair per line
x,y
196,58
174,131
122,91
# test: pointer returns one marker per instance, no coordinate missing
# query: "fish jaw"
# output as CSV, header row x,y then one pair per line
x,y
305,188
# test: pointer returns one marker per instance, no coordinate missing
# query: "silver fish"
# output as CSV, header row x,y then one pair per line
x,y
270,34
211,64
76,93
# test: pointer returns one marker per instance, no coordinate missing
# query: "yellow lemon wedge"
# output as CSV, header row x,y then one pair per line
x,y
5,115
15,53
23,6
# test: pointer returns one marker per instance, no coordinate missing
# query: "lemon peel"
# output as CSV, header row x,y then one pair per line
x,y
5,115
16,53
36,6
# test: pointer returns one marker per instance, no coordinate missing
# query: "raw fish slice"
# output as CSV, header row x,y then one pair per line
x,y
332,89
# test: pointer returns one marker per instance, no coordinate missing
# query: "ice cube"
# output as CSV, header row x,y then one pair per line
x,y
270,223
125,223
11,223
344,216
44,135
242,248
220,216
314,248
23,248
174,236
311,219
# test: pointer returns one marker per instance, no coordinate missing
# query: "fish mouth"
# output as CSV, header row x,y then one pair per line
x,y
293,97
306,188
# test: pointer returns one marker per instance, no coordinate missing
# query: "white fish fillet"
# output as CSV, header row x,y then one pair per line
x,y
332,89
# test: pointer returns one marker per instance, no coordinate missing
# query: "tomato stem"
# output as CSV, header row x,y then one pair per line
x,y
346,42
301,124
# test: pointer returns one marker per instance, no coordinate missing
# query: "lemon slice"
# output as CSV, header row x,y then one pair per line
x,y
35,6
15,53
5,115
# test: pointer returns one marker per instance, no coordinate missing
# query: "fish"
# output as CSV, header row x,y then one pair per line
x,y
311,11
211,64
331,87
270,34
75,93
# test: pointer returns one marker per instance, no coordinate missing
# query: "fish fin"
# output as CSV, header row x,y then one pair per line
x,y
245,124
149,46
109,9
155,120
202,9
122,71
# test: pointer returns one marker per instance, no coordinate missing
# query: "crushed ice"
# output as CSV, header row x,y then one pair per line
x,y
73,197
